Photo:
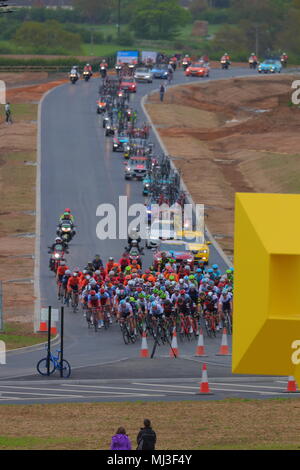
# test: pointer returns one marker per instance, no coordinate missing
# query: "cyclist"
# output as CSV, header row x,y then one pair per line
x,y
125,311
73,285
97,262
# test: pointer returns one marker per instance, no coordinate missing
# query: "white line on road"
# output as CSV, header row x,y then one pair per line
x,y
49,394
131,388
212,383
58,390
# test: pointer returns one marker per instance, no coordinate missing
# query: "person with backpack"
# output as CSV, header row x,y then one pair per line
x,y
120,441
146,438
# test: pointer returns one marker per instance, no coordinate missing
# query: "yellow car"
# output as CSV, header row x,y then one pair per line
x,y
196,244
200,251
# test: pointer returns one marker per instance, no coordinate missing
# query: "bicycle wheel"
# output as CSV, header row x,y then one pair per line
x,y
125,334
66,369
42,366
208,328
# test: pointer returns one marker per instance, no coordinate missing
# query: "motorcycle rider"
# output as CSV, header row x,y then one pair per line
x,y
226,58
59,243
88,68
74,71
134,235
103,68
97,262
284,58
253,59
67,216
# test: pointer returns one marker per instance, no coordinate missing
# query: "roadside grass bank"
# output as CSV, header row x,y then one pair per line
x,y
18,335
18,144
227,424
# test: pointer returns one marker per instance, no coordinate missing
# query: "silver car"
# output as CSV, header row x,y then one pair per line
x,y
143,75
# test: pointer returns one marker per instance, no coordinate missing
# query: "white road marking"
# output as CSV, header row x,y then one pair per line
x,y
49,394
131,388
212,383
60,390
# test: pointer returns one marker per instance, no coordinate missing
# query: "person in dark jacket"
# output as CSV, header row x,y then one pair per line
x,y
120,441
146,438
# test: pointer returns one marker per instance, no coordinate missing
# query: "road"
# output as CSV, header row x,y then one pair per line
x,y
80,171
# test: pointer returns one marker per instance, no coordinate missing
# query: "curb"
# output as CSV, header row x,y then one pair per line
x,y
35,347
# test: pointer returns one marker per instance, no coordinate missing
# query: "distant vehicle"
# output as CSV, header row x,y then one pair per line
x,y
160,71
143,75
197,69
129,84
270,66
120,141
175,249
136,168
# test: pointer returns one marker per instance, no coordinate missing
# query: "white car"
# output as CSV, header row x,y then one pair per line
x,y
160,230
143,75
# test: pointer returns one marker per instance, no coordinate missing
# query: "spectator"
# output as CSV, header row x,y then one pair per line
x,y
146,438
8,113
120,441
162,92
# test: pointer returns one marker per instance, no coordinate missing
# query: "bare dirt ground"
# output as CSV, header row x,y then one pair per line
x,y
232,136
227,424
17,189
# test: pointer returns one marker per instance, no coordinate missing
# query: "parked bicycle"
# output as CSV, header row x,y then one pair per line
x,y
54,364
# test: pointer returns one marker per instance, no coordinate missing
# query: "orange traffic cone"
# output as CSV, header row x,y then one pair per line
x,y
43,327
200,346
204,386
144,348
224,349
291,386
53,330
174,352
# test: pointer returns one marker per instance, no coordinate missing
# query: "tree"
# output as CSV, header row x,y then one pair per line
x,y
48,35
95,11
158,18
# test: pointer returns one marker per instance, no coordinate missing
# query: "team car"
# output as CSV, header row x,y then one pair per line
x,y
160,71
143,75
136,167
197,69
270,66
120,141
173,249
129,84
197,245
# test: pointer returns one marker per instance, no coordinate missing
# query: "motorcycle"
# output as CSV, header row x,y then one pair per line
x,y
65,231
73,78
56,256
134,254
86,75
103,72
185,65
101,107
225,64
283,62
118,68
252,64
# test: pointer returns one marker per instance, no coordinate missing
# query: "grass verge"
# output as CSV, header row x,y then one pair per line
x,y
227,424
19,335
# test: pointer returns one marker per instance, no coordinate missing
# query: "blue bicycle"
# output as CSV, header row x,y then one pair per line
x,y
54,364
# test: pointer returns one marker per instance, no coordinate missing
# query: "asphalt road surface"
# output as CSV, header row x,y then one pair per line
x,y
80,171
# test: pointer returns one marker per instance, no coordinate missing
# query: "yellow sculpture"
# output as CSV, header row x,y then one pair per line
x,y
266,320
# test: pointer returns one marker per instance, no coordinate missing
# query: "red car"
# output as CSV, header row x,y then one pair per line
x,y
174,249
129,84
197,70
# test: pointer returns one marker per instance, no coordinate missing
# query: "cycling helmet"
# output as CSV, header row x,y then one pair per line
x,y
88,277
97,272
228,271
75,274
111,273
68,211
110,258
68,272
215,266
154,305
172,277
123,302
93,292
58,239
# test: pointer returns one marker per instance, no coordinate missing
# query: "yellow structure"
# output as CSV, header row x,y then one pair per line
x,y
266,333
